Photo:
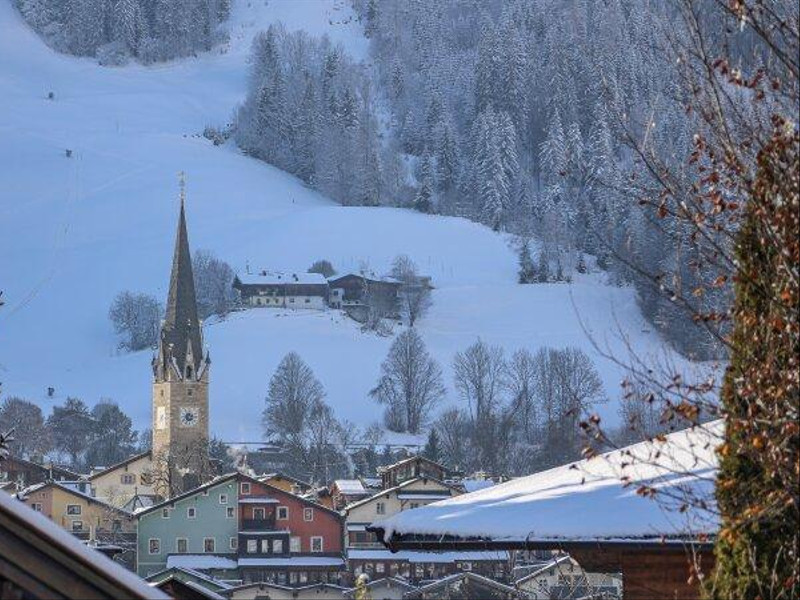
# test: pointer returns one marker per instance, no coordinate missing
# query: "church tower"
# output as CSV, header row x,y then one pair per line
x,y
180,378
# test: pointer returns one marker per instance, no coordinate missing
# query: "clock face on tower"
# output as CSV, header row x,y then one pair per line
x,y
189,417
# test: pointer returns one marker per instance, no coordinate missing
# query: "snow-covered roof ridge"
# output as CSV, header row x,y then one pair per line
x,y
399,486
282,278
543,506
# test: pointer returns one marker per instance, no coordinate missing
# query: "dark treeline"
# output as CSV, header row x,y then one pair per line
x,y
310,110
116,30
73,433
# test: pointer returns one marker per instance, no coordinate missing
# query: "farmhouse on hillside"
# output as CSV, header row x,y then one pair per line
x,y
283,290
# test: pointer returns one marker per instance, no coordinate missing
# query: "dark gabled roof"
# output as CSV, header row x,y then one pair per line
x,y
120,464
54,468
46,561
181,327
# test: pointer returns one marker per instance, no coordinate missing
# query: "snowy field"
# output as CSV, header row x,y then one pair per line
x,y
76,231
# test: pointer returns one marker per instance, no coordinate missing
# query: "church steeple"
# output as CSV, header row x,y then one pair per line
x,y
181,344
180,382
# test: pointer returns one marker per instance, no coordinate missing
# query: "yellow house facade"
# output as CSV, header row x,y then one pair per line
x,y
119,483
85,517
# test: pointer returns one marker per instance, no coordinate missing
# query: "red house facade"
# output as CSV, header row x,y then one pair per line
x,y
286,539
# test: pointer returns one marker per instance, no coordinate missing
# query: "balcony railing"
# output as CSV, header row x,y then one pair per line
x,y
258,525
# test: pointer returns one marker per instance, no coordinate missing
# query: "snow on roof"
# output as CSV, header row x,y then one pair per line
x,y
281,278
60,539
473,485
585,500
294,561
467,575
259,500
414,556
421,496
350,487
200,561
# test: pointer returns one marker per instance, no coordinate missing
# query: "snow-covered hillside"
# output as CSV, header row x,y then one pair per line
x,y
75,231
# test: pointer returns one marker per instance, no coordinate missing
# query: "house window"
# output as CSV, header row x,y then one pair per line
x,y
380,568
154,546
77,526
245,489
233,543
209,545
294,543
165,513
73,509
277,546
127,479
264,546
380,508
223,498
259,513
191,512
37,506
283,513
181,545
189,392
308,514
252,546
230,512
308,300
291,300
414,505
316,543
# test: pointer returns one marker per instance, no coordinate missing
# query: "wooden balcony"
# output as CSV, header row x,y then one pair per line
x,y
257,525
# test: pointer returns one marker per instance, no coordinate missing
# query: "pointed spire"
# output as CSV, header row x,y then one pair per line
x,y
181,334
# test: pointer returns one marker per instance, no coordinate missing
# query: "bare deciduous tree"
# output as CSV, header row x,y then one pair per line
x,y
213,281
137,317
293,392
410,383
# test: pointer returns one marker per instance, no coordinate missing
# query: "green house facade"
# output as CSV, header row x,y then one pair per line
x,y
200,526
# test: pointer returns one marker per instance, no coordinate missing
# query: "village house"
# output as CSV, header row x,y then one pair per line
x,y
287,483
237,527
410,468
386,588
283,290
274,591
563,577
89,519
348,491
120,483
653,548
197,530
286,539
366,555
23,473
465,585
353,290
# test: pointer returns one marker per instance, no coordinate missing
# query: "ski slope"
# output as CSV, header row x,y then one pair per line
x,y
76,231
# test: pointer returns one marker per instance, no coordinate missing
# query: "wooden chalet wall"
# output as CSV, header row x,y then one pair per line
x,y
649,574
